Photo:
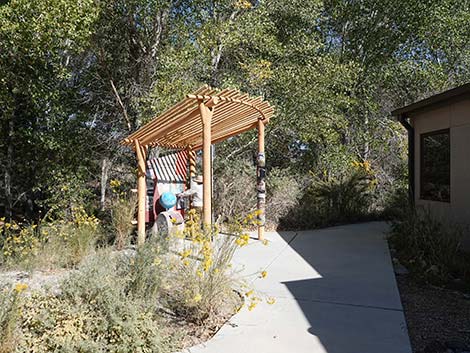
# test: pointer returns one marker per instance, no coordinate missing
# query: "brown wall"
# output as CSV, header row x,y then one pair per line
x,y
456,117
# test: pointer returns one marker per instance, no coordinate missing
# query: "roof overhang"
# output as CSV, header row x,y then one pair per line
x,y
181,127
433,101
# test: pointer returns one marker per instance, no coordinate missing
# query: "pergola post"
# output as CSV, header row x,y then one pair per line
x,y
206,117
180,128
261,184
141,191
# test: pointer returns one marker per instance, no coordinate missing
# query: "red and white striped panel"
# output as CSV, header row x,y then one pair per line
x,y
171,168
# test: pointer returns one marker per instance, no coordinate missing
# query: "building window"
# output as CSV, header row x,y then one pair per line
x,y
435,166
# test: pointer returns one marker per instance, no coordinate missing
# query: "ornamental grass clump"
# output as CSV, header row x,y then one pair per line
x,y
123,210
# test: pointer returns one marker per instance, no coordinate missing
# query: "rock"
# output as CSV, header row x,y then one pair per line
x,y
42,281
399,268
457,346
436,347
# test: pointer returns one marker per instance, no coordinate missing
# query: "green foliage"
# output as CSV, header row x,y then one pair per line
x,y
429,248
95,312
77,77
41,128
333,199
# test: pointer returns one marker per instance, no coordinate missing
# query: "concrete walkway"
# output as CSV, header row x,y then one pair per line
x,y
335,293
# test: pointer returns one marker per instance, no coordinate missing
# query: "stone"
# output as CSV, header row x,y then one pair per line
x,y
436,347
399,268
457,346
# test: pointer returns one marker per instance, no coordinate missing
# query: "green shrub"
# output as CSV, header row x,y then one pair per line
x,y
283,194
332,200
395,203
429,248
100,309
342,199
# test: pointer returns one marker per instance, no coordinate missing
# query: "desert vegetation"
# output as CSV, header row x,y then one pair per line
x,y
159,297
431,249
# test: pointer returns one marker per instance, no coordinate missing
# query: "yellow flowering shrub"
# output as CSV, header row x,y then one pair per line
x,y
206,280
19,241
60,243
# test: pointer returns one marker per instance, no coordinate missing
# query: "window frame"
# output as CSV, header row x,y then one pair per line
x,y
422,136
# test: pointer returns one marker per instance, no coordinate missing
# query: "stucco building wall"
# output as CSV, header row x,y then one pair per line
x,y
454,116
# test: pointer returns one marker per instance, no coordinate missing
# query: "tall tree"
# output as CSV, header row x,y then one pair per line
x,y
38,41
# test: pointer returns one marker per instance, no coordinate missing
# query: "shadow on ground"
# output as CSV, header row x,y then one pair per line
x,y
352,305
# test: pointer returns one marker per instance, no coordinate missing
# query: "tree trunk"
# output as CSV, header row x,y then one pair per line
x,y
9,168
105,166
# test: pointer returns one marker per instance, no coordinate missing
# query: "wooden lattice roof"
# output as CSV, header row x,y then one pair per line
x,y
181,126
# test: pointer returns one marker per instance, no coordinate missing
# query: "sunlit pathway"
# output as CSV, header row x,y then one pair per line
x,y
335,292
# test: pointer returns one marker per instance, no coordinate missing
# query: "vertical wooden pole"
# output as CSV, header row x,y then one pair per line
x,y
261,184
141,192
206,116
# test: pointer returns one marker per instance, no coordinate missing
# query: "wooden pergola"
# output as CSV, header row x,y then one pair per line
x,y
199,120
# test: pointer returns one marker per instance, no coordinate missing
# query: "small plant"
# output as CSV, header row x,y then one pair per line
x,y
206,281
19,242
202,272
430,248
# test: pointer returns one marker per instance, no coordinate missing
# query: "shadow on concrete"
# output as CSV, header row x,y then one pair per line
x,y
353,305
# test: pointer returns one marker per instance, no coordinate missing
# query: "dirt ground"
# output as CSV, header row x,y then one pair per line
x,y
438,319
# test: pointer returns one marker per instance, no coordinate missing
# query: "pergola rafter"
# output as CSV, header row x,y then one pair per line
x,y
197,121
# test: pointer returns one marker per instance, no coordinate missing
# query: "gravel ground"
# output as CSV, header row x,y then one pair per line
x,y
438,319
36,281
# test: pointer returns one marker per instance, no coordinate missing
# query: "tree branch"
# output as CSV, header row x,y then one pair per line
x,y
123,108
